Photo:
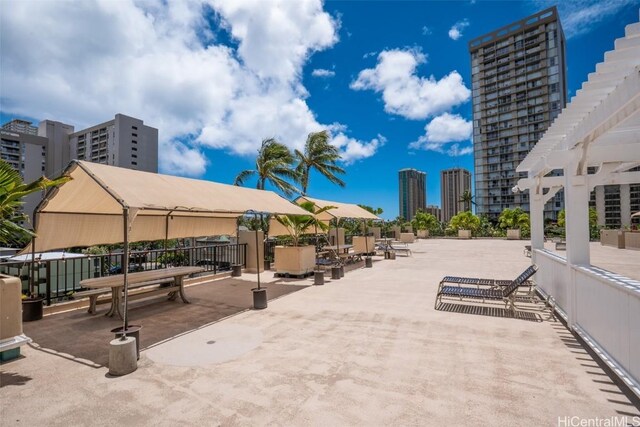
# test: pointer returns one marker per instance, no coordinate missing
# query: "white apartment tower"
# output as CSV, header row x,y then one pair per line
x,y
124,141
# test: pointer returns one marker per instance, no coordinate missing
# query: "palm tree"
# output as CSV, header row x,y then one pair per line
x,y
275,165
467,200
321,156
12,192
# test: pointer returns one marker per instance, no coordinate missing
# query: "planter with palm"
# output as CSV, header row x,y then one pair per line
x,y
515,221
318,154
296,259
12,193
424,222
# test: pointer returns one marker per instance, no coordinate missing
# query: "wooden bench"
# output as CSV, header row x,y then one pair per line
x,y
153,282
93,294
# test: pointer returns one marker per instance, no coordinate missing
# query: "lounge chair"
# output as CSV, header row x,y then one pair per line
x,y
530,271
400,247
504,293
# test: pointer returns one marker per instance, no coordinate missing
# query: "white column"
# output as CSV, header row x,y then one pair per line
x,y
537,220
576,196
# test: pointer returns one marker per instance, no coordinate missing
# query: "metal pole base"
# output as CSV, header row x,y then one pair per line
x,y
122,356
236,270
335,273
259,298
318,277
368,262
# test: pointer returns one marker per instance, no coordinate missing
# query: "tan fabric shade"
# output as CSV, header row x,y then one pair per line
x,y
88,210
340,210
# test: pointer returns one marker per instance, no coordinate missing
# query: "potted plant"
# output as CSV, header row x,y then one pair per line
x,y
296,259
422,222
12,192
513,220
465,224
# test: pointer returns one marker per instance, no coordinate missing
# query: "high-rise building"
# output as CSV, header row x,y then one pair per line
x,y
20,126
124,141
435,211
26,153
519,87
412,192
453,184
615,204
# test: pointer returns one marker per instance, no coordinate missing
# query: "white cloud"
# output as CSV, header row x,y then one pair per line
x,y
443,130
160,61
579,17
368,54
426,31
353,150
455,32
406,94
320,72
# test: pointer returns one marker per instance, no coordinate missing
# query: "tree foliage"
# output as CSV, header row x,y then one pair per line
x,y
424,221
464,221
318,154
297,225
275,165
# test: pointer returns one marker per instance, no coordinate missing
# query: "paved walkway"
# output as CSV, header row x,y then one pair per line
x,y
366,350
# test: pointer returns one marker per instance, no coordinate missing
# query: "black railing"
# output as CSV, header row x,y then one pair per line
x,y
57,280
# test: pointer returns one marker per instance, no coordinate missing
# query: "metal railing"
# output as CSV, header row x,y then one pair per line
x,y
57,280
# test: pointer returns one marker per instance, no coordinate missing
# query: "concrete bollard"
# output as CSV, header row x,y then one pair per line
x,y
368,262
122,356
318,277
236,270
342,271
335,273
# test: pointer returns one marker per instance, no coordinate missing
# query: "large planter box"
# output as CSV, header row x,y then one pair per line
x,y
423,234
295,260
376,231
632,240
363,245
396,232
513,234
11,336
464,234
340,235
613,238
407,237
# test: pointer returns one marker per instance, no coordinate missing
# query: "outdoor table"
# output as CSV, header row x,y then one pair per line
x,y
116,283
344,248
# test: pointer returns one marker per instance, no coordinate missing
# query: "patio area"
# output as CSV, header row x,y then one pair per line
x,y
368,349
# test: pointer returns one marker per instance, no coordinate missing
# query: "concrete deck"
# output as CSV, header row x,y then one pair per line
x,y
368,349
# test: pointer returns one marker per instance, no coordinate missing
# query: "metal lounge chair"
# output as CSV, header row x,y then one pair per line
x,y
523,279
505,293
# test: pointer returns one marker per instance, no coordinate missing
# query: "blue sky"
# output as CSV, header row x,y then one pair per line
x,y
390,80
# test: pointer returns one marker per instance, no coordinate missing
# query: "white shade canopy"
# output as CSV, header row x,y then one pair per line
x,y
89,209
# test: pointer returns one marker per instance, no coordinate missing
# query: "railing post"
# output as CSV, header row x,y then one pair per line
x,y
215,260
48,279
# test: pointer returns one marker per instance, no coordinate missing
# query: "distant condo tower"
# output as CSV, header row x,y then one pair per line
x,y
412,192
519,88
453,183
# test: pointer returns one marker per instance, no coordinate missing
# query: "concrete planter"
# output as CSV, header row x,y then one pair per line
x,y
632,240
423,234
364,245
407,237
295,260
513,234
464,234
615,238
376,231
32,309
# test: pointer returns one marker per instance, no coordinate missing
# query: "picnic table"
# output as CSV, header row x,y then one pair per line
x,y
173,276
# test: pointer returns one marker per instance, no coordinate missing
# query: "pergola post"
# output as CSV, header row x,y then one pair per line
x,y
576,194
536,206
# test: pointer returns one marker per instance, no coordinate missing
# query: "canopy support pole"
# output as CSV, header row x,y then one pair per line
x,y
125,270
258,249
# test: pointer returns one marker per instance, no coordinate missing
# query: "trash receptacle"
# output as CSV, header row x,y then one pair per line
x,y
132,331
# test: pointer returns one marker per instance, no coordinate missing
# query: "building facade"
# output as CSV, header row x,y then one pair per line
x,y
453,184
20,126
124,141
519,88
435,211
412,192
615,204
26,153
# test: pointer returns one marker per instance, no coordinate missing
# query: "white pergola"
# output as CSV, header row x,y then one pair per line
x,y
599,128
